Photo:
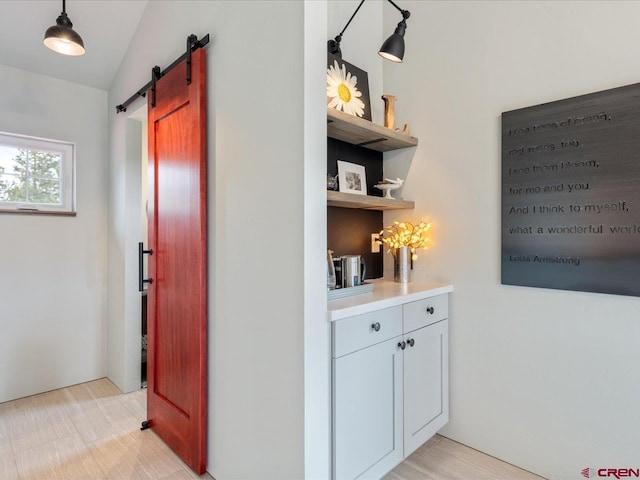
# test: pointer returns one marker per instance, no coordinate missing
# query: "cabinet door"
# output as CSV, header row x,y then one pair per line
x,y
367,411
426,388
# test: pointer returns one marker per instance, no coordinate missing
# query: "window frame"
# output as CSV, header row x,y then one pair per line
x,y
67,151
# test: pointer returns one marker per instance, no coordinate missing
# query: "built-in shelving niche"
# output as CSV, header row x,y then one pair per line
x,y
349,229
351,219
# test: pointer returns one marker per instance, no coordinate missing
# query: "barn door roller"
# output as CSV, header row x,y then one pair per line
x,y
192,45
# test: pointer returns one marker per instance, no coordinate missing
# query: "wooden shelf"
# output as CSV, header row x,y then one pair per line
x,y
366,202
364,133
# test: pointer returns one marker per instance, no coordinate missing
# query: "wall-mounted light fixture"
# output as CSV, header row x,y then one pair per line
x,y
62,38
393,47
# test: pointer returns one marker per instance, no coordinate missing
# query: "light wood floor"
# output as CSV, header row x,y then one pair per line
x,y
88,431
92,431
444,459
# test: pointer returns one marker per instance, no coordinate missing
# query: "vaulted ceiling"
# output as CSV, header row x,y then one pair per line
x,y
106,27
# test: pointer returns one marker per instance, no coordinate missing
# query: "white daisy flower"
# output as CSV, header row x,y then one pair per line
x,y
342,92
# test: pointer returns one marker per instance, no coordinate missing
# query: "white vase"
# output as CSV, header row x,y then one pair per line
x,y
401,264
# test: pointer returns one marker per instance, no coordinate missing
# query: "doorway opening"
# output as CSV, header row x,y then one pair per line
x,y
136,212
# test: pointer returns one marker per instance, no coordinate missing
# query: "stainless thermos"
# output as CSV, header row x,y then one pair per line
x,y
353,270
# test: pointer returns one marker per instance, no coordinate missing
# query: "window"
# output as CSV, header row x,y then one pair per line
x,y
36,175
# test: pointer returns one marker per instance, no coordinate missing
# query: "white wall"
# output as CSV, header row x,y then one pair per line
x,y
124,303
317,330
547,380
256,221
52,268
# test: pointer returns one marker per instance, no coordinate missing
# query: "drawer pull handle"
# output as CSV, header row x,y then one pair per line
x,y
411,342
402,345
430,310
376,326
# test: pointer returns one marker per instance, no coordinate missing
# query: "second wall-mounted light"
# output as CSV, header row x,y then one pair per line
x,y
393,47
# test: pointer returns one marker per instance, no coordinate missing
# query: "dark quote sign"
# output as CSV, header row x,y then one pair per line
x,y
571,193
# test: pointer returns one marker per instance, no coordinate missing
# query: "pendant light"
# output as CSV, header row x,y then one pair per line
x,y
392,49
62,38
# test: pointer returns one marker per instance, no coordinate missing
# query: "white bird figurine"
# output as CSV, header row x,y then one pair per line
x,y
397,181
388,185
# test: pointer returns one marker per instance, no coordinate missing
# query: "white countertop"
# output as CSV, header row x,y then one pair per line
x,y
385,294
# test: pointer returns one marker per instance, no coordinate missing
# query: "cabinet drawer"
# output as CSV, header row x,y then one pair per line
x,y
425,312
360,331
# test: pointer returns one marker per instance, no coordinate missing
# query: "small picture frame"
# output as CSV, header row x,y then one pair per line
x,y
352,178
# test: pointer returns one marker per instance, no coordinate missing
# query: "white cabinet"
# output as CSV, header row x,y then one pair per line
x,y
367,402
390,385
426,392
426,369
367,411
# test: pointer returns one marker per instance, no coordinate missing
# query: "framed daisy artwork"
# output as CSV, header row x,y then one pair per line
x,y
347,88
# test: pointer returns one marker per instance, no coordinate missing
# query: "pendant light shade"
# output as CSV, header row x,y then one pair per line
x,y
393,47
62,38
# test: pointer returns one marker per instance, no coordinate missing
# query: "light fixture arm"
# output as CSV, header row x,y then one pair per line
x,y
405,13
334,45
352,17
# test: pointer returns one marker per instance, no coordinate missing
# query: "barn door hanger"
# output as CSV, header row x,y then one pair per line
x,y
155,76
192,45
